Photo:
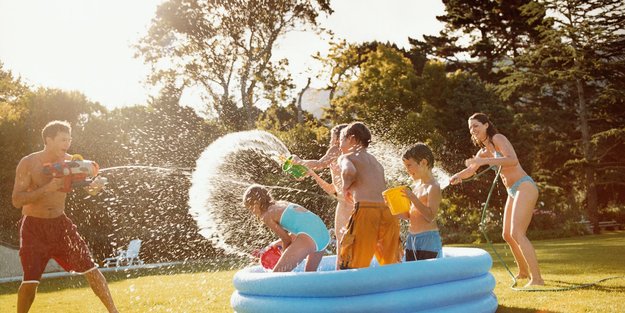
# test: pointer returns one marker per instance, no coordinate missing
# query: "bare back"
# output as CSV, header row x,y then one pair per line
x,y
29,177
335,173
369,182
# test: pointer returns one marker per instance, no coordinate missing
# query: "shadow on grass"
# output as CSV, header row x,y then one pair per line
x,y
505,309
562,286
587,251
78,281
597,286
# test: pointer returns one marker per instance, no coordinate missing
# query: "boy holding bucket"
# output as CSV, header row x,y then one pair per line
x,y
423,240
371,228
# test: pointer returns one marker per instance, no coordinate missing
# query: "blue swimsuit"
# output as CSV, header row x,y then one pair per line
x,y
297,220
513,189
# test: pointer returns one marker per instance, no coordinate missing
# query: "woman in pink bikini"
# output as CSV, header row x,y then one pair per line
x,y
496,150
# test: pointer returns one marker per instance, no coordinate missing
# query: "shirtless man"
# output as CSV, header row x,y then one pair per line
x,y
371,229
45,231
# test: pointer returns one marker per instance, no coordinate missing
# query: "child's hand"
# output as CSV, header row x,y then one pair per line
x,y
54,185
295,159
256,253
283,245
409,194
454,180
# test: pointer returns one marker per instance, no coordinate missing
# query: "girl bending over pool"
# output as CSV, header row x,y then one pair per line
x,y
303,233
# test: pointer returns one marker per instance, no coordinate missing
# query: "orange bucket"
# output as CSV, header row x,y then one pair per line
x,y
397,201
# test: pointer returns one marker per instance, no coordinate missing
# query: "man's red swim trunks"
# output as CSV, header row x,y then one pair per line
x,y
42,239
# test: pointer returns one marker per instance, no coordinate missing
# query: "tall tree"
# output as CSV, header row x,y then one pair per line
x,y
226,47
578,68
481,35
14,97
383,91
342,62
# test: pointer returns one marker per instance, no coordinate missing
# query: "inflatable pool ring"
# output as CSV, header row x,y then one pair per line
x,y
458,282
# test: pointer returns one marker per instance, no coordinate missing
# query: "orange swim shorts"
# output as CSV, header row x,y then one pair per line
x,y
371,230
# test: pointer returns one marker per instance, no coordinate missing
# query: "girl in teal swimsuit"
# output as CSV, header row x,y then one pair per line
x,y
496,150
303,234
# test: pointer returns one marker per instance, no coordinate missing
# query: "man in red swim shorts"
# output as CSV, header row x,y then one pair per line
x,y
45,231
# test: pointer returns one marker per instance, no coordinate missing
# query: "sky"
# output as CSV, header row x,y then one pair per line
x,y
87,45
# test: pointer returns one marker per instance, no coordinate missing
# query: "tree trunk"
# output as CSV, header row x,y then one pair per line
x,y
589,156
300,118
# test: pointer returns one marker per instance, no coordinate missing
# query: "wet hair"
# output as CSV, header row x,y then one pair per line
x,y
360,132
257,193
418,152
53,128
491,130
335,132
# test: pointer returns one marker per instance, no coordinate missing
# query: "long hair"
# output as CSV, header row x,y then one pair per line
x,y
491,130
260,194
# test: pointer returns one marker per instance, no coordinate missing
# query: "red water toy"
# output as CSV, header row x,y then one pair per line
x,y
76,172
270,255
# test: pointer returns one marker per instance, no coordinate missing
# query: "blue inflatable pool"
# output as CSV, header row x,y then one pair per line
x,y
458,282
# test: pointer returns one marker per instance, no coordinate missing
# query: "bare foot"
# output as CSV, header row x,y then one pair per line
x,y
521,276
535,282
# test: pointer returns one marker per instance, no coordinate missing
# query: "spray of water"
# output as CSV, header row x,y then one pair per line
x,y
233,162
221,175
175,170
389,155
147,203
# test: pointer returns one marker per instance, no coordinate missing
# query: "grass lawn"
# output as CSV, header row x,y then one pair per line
x,y
201,288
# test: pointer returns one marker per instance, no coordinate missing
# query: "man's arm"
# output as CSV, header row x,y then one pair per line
x,y
21,195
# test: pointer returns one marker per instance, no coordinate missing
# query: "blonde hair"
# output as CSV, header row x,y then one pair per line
x,y
260,194
335,132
